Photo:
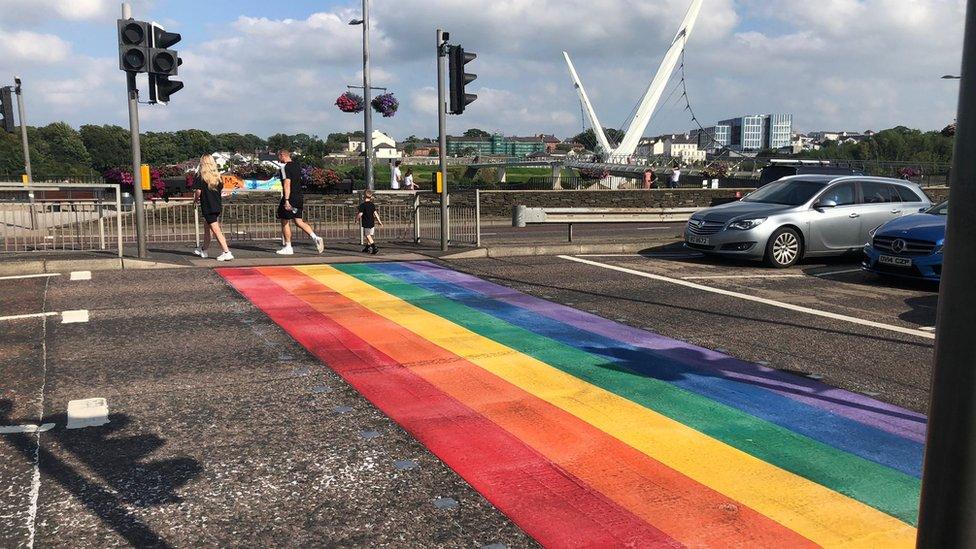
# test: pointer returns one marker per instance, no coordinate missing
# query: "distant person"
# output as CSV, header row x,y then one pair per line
x,y
207,187
395,176
408,180
292,203
368,218
675,178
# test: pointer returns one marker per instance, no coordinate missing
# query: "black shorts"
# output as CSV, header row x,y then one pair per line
x,y
294,213
211,217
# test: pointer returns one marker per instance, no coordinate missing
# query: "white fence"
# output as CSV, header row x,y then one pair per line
x,y
97,224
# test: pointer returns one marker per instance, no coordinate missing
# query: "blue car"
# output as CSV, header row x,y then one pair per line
x,y
909,246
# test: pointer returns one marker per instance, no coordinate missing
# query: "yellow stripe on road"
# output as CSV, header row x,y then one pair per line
x,y
815,512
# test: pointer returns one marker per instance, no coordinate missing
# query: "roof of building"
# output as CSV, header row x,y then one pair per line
x,y
682,139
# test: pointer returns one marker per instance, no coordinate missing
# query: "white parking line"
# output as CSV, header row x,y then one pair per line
x,y
74,317
832,273
81,275
747,297
21,277
728,277
25,429
929,328
22,317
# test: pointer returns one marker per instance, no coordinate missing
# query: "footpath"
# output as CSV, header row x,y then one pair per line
x,y
496,242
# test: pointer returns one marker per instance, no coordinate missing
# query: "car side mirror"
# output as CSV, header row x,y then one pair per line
x,y
825,203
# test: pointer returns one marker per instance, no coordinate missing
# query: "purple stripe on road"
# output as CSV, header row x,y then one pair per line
x,y
860,408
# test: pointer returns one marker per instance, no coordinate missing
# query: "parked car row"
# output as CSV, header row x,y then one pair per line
x,y
816,215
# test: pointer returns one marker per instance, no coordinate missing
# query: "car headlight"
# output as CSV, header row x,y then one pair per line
x,y
747,224
939,248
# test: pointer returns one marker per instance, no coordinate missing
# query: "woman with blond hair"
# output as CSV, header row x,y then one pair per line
x,y
206,191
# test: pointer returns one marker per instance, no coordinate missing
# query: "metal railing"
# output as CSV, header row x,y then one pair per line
x,y
91,224
31,224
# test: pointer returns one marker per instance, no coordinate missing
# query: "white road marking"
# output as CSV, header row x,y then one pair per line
x,y
90,412
22,317
23,429
653,228
832,273
732,277
81,275
21,277
929,328
746,297
35,491
74,317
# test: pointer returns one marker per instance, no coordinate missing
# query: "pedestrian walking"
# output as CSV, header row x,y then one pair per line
x,y
675,177
368,218
408,183
207,187
395,176
292,204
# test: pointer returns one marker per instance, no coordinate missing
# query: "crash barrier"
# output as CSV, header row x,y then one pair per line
x,y
523,216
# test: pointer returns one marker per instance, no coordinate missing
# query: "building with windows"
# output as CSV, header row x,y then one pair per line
x,y
684,148
384,146
496,145
752,133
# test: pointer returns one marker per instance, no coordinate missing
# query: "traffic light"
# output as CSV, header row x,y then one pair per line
x,y
164,63
6,110
457,59
135,39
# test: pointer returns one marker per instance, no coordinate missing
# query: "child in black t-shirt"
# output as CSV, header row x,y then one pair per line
x,y
369,218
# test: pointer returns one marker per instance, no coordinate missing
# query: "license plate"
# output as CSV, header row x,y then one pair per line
x,y
896,261
700,240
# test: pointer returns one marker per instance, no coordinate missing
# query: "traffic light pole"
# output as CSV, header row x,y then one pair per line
x,y
22,113
367,97
442,129
133,95
948,506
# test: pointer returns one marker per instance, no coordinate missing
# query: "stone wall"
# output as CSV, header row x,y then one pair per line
x,y
500,203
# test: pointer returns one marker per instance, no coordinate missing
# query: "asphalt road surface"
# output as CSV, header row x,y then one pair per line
x,y
225,431
890,365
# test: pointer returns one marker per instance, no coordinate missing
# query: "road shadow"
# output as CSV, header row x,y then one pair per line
x,y
120,462
924,310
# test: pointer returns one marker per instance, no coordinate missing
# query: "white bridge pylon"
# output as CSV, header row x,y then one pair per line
x,y
652,96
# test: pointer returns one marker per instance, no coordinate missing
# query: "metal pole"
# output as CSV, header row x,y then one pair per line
x,y
442,128
21,111
367,93
948,506
133,94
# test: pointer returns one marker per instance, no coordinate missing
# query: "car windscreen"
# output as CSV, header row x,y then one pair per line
x,y
941,209
790,193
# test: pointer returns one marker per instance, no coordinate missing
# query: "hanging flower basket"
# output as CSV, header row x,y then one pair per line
x,y
910,172
350,102
386,104
950,130
593,174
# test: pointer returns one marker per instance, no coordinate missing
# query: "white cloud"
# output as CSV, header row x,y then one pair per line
x,y
25,47
833,63
36,11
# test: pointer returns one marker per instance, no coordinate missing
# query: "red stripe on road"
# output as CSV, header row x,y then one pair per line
x,y
554,507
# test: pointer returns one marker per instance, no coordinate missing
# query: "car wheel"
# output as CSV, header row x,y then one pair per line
x,y
784,248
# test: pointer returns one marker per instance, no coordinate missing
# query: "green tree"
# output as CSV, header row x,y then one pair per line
x,y
195,143
588,138
475,132
62,150
108,146
280,141
160,149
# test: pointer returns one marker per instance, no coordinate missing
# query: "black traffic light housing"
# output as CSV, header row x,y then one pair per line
x,y
457,59
6,110
145,47
135,39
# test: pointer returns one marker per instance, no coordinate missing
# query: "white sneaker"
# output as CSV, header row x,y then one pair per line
x,y
201,253
287,250
226,256
320,244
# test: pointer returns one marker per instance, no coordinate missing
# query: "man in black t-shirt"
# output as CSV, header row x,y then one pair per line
x,y
368,217
292,204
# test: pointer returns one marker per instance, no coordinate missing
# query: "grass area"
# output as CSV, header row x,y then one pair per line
x,y
424,175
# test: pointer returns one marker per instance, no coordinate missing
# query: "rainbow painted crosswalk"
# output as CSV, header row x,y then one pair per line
x,y
591,433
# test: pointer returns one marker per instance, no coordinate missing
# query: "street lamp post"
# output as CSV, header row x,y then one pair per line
x,y
947,517
367,92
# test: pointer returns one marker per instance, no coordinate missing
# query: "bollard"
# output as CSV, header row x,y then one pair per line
x,y
518,216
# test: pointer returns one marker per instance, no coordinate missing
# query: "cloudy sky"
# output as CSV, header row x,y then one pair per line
x,y
264,67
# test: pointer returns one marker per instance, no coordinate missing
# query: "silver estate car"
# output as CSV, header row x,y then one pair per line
x,y
803,216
